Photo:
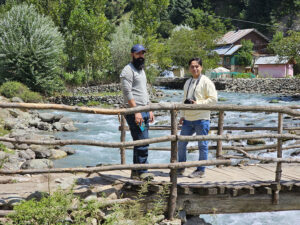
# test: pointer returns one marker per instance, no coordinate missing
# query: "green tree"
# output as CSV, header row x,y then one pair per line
x,y
31,49
86,32
87,36
288,46
186,43
180,10
244,56
121,42
146,17
200,18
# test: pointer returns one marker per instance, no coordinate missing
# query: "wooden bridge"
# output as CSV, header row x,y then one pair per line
x,y
261,187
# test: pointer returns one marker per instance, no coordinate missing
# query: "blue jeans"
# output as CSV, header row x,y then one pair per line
x,y
140,153
201,127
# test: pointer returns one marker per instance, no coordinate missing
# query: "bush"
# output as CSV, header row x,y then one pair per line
x,y
93,103
16,89
12,89
31,49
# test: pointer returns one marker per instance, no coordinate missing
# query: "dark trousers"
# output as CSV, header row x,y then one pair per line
x,y
140,153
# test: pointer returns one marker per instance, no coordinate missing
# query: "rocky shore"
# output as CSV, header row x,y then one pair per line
x,y
84,95
282,86
33,125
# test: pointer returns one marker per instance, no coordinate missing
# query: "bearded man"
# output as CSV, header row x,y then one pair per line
x,y
134,87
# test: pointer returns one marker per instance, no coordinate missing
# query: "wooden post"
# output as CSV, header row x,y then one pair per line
x,y
173,173
279,155
220,132
123,135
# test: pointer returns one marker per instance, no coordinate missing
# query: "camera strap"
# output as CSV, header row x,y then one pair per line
x,y
198,80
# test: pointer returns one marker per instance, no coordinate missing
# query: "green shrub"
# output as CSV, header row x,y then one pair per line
x,y
30,96
80,104
93,103
31,49
16,89
242,75
12,89
75,78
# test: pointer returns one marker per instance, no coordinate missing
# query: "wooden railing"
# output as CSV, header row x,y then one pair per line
x,y
174,138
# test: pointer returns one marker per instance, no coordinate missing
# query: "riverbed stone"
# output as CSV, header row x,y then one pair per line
x,y
14,112
46,117
256,142
66,120
24,155
37,164
41,152
57,154
17,99
57,126
68,150
2,156
69,127
10,124
21,146
44,126
8,145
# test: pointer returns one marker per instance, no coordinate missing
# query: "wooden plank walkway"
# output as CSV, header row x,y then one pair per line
x,y
228,189
244,175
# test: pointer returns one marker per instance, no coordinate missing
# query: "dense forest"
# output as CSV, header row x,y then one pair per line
x,y
50,44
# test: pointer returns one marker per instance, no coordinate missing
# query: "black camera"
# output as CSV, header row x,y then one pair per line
x,y
188,101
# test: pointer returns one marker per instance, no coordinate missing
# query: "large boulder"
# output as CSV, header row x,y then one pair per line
x,y
41,152
57,154
37,164
46,117
69,127
57,126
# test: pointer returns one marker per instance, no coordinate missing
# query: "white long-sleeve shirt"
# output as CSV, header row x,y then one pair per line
x,y
205,93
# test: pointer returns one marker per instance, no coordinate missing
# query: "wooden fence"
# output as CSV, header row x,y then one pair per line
x,y
174,138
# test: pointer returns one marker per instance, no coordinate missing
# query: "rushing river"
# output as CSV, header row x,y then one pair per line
x,y
105,128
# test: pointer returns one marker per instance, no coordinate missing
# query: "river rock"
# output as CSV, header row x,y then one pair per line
x,y
34,122
57,126
46,117
68,150
66,120
14,112
256,142
41,152
24,155
44,126
8,145
37,164
17,99
57,154
196,220
2,156
21,146
296,153
10,124
58,117
69,127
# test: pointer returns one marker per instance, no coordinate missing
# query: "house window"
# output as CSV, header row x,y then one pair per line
x,y
227,60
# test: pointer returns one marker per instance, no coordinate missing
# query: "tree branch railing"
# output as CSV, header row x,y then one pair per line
x,y
173,165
